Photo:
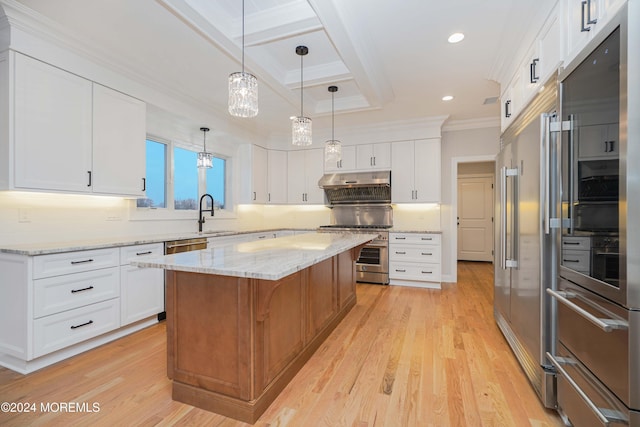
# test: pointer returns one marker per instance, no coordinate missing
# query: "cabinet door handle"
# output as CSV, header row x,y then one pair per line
x,y
84,261
582,18
89,184
144,253
268,197
507,104
75,291
589,20
144,184
374,160
401,253
611,149
254,195
81,325
401,270
532,71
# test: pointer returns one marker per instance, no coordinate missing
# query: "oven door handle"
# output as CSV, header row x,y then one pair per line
x,y
607,325
557,363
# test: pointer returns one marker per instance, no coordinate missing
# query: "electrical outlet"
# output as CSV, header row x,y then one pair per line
x,y
23,215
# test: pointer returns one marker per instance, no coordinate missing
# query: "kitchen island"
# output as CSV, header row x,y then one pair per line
x,y
242,319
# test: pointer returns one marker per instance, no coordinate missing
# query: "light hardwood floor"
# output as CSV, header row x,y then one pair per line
x,y
401,357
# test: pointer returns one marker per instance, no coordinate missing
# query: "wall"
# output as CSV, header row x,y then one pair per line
x,y
459,146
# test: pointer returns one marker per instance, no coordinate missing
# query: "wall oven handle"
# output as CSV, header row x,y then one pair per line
x,y
606,325
557,364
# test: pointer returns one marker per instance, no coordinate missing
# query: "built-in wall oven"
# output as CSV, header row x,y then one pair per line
x,y
597,357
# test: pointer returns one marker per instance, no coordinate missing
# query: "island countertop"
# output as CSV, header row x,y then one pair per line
x,y
270,259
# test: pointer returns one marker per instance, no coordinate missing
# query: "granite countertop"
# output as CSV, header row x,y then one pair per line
x,y
270,259
406,230
32,249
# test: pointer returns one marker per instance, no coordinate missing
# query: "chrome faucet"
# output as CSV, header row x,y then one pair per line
x,y
200,216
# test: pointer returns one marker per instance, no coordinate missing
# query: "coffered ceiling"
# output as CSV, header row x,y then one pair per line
x,y
390,59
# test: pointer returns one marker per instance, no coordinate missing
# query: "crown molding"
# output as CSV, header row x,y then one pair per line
x,y
480,123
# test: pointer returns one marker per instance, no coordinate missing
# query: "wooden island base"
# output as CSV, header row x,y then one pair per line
x,y
233,343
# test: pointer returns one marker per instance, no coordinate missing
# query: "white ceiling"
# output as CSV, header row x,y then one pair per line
x,y
390,59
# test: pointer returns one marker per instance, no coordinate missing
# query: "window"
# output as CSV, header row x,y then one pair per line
x,y
156,182
188,181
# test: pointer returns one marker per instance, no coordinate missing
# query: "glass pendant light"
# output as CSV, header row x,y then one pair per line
x,y
301,125
243,88
333,147
205,159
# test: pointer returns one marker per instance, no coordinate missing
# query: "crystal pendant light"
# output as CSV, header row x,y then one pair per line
x,y
301,125
333,147
243,88
205,159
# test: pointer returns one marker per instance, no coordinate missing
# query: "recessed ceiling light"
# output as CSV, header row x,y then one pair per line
x,y
447,98
455,38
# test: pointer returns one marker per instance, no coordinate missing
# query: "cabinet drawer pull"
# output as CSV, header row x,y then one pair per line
x,y
427,272
144,253
400,271
400,238
570,243
401,252
427,238
84,261
81,325
570,260
262,237
427,253
75,291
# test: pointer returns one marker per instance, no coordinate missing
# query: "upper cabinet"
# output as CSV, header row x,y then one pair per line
x,y
277,177
584,19
119,134
305,168
415,171
68,134
52,128
260,170
346,163
373,156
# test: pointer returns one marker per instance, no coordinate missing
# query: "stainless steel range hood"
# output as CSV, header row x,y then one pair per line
x,y
357,187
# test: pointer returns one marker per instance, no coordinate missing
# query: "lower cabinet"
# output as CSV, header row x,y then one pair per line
x,y
141,289
62,304
415,259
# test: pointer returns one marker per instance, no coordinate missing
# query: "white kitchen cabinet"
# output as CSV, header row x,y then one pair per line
x,y
511,101
550,53
415,259
277,177
305,168
141,289
346,163
119,134
259,170
52,127
584,19
416,171
598,142
62,304
373,156
69,134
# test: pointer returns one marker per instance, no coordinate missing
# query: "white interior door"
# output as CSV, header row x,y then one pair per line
x,y
475,218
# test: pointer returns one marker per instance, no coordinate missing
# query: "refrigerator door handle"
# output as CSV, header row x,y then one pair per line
x,y
571,173
505,262
545,140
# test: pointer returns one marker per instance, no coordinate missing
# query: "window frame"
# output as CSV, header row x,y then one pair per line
x,y
169,212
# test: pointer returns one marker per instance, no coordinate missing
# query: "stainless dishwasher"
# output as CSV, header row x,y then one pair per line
x,y
178,246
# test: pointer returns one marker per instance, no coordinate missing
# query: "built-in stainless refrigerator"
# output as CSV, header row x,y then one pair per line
x,y
525,243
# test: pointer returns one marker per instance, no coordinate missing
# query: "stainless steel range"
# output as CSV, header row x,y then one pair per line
x,y
361,203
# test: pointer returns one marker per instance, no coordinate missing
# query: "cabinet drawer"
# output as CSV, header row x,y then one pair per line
x,y
415,238
130,253
577,260
582,243
55,294
74,262
61,330
422,272
415,253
